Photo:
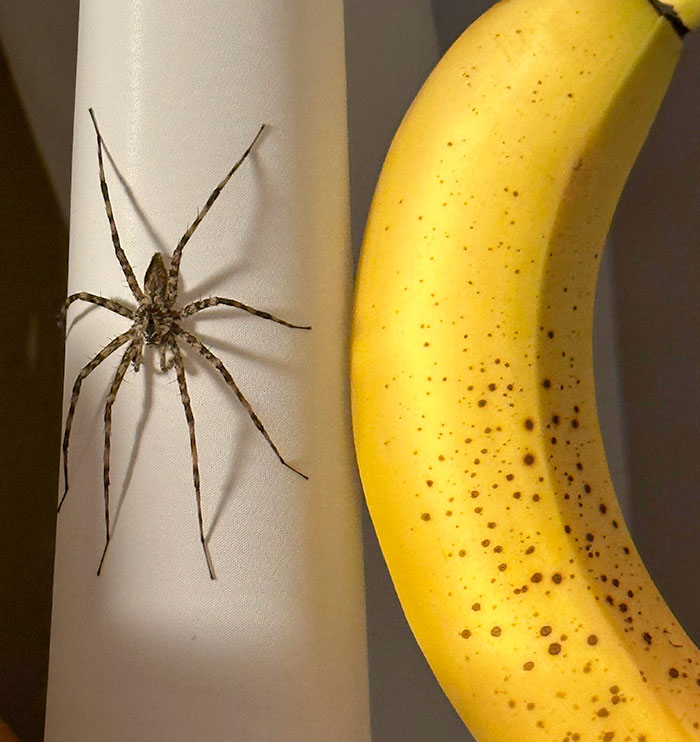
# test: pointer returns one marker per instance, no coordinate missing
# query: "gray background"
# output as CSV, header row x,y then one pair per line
x,y
647,315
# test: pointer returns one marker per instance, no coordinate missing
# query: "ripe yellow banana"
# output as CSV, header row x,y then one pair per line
x,y
472,385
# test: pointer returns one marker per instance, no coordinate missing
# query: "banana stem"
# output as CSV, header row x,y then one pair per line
x,y
684,15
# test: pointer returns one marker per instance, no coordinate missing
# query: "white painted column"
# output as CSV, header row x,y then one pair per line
x,y
274,648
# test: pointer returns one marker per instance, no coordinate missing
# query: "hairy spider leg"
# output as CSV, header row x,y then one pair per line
x,y
186,403
213,301
121,255
87,369
116,383
113,306
177,254
165,363
216,362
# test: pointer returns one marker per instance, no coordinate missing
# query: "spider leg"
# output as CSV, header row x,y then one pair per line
x,y
184,395
212,301
216,362
177,254
85,371
116,383
113,306
138,355
121,255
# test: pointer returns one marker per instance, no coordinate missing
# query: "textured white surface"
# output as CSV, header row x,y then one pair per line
x,y
274,649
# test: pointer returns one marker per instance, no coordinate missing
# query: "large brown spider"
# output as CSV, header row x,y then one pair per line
x,y
156,322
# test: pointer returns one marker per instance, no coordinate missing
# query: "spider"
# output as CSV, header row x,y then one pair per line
x,y
156,322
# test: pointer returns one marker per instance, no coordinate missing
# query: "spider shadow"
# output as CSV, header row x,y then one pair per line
x,y
148,370
131,196
208,287
229,486
244,440
247,238
87,311
218,347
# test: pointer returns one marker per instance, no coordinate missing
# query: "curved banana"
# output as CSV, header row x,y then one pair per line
x,y
472,385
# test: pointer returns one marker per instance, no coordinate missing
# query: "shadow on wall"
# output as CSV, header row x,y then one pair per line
x,y
453,16
33,252
656,234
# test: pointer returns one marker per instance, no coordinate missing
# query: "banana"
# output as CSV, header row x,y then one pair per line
x,y
473,395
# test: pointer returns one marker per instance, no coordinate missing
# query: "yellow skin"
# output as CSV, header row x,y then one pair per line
x,y
472,386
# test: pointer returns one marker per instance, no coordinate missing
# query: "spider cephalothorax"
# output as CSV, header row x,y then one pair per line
x,y
156,322
155,316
